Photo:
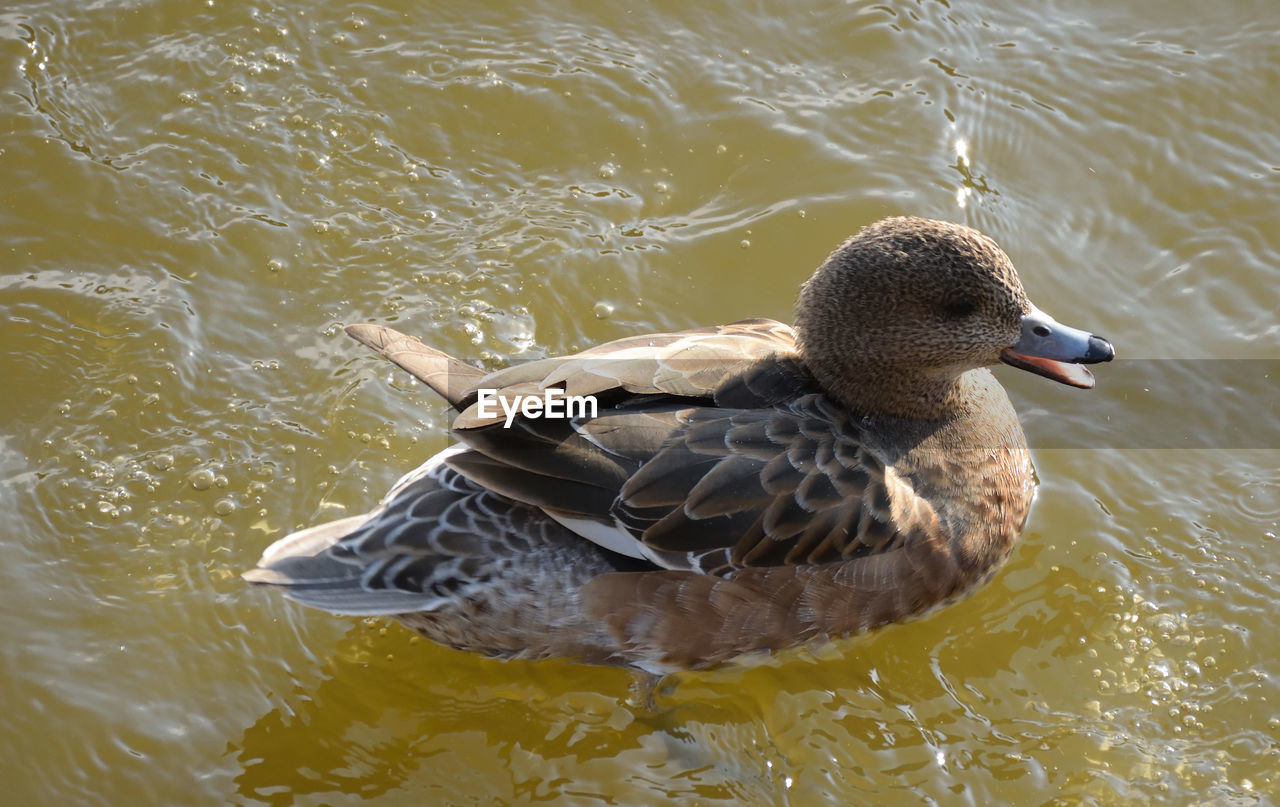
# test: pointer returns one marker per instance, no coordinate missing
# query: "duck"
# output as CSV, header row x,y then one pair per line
x,y
716,492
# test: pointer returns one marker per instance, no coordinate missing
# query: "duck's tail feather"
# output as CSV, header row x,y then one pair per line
x,y
302,567
453,379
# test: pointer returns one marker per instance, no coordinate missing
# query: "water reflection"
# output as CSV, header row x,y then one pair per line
x,y
378,723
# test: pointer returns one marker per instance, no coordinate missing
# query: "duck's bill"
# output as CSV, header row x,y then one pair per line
x,y
1053,350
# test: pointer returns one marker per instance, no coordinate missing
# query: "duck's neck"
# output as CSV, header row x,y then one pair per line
x,y
902,392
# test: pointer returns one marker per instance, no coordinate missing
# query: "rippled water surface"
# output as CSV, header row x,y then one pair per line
x,y
195,197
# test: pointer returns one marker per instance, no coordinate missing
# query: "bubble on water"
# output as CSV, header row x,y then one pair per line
x,y
188,98
607,171
202,479
275,265
602,310
224,507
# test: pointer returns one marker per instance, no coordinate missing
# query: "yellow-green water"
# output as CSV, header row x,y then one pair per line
x,y
195,196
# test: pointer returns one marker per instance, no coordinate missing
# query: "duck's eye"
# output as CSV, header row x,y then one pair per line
x,y
960,307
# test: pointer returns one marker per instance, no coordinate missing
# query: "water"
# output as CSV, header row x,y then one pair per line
x,y
193,199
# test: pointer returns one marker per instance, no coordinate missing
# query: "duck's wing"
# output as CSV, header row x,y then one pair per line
x,y
712,449
766,472
780,486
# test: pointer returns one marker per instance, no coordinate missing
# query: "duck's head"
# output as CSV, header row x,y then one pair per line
x,y
896,316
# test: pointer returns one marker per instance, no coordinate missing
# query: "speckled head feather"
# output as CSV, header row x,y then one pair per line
x,y
900,310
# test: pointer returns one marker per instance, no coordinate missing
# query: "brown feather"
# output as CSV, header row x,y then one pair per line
x,y
452,379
